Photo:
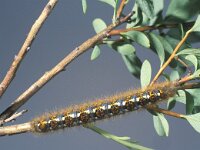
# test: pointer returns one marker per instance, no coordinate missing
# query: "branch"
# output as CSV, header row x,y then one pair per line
x,y
26,46
26,127
120,9
166,112
13,117
23,98
170,58
146,28
15,129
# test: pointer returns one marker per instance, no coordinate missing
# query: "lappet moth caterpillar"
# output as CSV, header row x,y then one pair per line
x,y
104,108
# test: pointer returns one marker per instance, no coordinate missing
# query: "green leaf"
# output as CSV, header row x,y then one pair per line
x,y
109,2
166,44
196,95
157,45
196,26
181,97
193,60
189,51
194,121
125,141
123,48
171,103
173,42
196,109
158,6
147,7
133,64
196,74
99,25
136,18
161,125
189,103
138,37
95,53
84,6
145,75
174,75
182,10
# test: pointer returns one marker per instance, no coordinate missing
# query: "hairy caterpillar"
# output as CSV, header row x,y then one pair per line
x,y
103,108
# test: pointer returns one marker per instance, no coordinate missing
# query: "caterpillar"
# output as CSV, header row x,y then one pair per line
x,y
103,108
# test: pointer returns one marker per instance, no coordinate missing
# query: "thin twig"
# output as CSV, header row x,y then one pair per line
x,y
170,58
166,112
14,116
26,46
192,85
23,98
120,9
147,28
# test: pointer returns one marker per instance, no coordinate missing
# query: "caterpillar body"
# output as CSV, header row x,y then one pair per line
x,y
103,108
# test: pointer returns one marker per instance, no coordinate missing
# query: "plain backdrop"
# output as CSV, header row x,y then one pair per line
x,y
65,29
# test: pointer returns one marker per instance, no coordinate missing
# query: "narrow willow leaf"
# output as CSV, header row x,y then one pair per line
x,y
99,25
123,48
193,60
196,109
138,37
196,95
84,6
194,121
174,75
147,7
189,103
115,12
95,53
171,103
109,2
136,18
189,51
166,44
146,71
168,50
125,141
177,10
158,6
196,74
157,45
196,26
181,97
173,42
161,125
133,64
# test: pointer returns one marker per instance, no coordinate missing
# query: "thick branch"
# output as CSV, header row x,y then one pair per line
x,y
15,129
23,98
26,46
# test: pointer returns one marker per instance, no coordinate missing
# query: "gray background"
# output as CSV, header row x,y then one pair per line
x,y
65,29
